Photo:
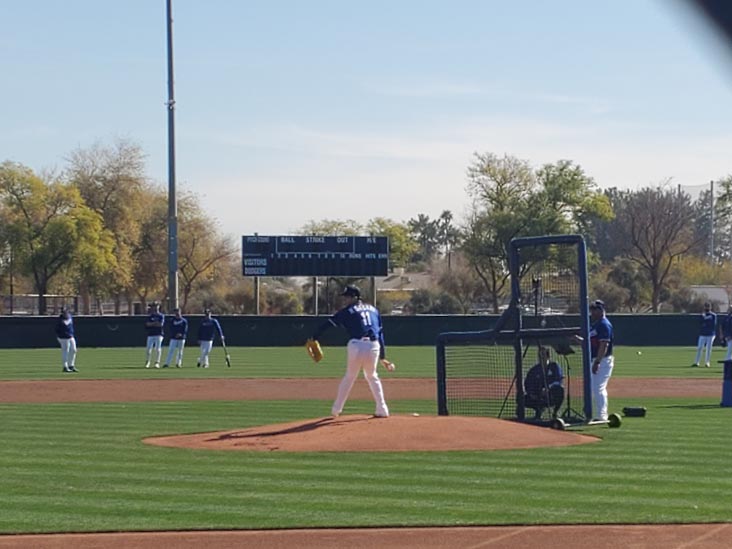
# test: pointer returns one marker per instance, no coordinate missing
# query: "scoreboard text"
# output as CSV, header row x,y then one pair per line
x,y
315,255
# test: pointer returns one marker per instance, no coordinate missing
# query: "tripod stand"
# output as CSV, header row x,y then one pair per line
x,y
570,415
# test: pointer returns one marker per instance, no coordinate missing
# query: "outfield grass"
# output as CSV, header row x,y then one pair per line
x,y
274,362
83,467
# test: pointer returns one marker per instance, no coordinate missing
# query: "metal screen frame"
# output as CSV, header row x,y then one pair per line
x,y
509,326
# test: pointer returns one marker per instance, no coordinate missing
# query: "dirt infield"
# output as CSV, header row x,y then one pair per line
x,y
677,536
361,433
289,437
139,390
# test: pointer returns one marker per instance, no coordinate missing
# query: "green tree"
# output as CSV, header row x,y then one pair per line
x,y
426,233
401,244
149,253
50,229
332,227
510,200
111,179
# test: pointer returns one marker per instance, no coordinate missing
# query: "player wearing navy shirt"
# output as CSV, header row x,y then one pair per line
x,y
65,337
364,350
543,385
178,328
601,351
725,332
707,330
154,327
207,331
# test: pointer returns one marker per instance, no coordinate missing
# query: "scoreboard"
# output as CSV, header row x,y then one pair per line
x,y
315,255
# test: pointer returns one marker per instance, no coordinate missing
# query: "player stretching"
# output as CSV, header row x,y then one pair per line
x,y
366,346
207,331
178,333
65,336
707,329
154,327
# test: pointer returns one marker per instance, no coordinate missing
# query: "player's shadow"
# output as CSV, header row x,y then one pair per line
x,y
305,427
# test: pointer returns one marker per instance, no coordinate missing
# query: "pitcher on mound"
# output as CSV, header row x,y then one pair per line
x,y
365,348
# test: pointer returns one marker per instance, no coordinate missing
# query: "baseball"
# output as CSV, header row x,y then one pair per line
x,y
415,414
640,353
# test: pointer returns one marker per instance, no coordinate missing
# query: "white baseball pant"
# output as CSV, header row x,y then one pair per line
x,y
363,354
68,351
704,343
154,342
599,386
173,346
206,347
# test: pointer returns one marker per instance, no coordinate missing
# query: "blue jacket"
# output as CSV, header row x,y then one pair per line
x,y
65,326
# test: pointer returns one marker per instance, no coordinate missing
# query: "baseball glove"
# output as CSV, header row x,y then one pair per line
x,y
314,350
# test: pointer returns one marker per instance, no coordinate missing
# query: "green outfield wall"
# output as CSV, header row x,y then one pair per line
x,y
277,331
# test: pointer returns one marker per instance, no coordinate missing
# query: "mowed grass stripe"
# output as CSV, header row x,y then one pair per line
x,y
292,362
88,457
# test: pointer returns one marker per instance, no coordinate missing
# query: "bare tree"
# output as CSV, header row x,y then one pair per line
x,y
655,225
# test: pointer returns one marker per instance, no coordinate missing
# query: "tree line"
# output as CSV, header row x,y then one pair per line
x,y
98,229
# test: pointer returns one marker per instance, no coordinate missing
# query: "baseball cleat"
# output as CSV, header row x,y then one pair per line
x,y
66,370
165,365
177,366
157,365
198,364
147,365
73,369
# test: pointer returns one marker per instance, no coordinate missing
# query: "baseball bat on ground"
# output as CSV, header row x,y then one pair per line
x,y
226,353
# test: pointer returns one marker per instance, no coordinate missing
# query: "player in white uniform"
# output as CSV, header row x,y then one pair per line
x,y
601,350
207,331
178,332
65,337
154,327
707,330
365,347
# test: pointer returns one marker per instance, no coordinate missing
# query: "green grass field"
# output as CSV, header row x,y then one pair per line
x,y
292,362
83,467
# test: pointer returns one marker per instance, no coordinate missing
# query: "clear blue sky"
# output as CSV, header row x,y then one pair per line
x,y
294,110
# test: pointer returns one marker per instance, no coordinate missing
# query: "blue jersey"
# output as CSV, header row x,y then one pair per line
x,y
154,324
208,329
601,330
708,324
178,328
360,320
65,326
726,326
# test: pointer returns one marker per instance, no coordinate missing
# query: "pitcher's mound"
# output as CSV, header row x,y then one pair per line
x,y
398,433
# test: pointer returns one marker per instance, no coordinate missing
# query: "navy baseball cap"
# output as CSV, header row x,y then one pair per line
x,y
351,291
598,304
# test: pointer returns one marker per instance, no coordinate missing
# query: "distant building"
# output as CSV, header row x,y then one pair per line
x,y
718,296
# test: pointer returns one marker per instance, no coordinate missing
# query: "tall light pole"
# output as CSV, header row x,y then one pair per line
x,y
172,200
